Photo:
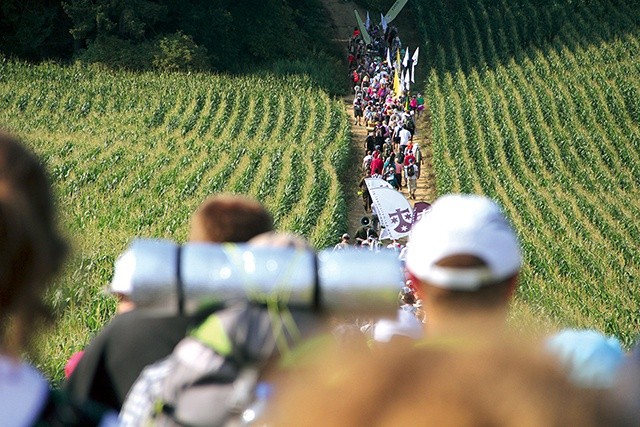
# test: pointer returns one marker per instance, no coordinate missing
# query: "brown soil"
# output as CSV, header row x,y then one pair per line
x,y
343,20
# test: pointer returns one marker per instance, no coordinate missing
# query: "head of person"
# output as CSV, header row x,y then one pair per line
x,y
31,250
229,218
499,383
346,237
464,258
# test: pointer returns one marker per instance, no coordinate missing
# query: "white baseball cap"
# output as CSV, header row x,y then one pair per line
x,y
460,224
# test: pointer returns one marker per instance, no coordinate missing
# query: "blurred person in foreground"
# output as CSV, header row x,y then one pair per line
x,y
499,383
185,389
133,340
32,252
464,259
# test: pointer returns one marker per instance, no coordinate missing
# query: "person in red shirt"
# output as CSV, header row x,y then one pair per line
x,y
409,157
377,163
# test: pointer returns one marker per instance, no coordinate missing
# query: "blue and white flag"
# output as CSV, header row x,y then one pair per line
x,y
383,21
368,21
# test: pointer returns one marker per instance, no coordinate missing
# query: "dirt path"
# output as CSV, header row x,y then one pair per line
x,y
343,23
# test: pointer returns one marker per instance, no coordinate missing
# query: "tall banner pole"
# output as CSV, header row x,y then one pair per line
x,y
395,10
363,30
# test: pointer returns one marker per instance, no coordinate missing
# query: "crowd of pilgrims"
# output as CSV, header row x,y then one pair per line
x,y
390,120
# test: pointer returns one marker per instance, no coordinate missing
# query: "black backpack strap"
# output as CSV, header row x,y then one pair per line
x,y
61,411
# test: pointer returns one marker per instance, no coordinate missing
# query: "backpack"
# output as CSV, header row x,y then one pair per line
x,y
210,377
411,171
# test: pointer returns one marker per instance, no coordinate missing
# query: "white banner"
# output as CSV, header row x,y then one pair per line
x,y
363,30
394,211
395,10
373,183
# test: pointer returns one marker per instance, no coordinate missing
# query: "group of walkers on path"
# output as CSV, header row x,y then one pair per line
x,y
389,116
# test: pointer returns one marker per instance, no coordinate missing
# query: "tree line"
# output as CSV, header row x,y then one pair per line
x,y
219,35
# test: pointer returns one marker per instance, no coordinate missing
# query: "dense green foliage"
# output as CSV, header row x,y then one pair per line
x,y
35,29
220,35
375,7
537,104
135,154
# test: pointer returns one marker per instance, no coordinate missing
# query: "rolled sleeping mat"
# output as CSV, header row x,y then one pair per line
x,y
151,274
171,279
360,281
215,273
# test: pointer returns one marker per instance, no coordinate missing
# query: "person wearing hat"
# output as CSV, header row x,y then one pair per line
x,y
464,258
344,243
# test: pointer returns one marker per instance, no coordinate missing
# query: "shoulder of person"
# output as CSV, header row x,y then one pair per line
x,y
23,394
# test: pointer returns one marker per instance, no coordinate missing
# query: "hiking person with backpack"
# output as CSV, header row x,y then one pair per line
x,y
357,110
213,375
411,172
116,356
364,191
370,142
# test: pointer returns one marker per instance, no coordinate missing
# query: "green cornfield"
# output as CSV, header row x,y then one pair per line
x,y
135,154
537,104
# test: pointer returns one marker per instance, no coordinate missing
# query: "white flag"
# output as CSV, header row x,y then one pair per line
x,y
389,57
394,211
368,21
414,62
383,21
414,58
405,61
407,79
